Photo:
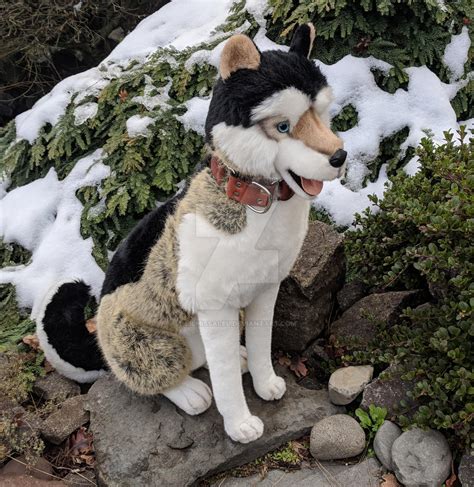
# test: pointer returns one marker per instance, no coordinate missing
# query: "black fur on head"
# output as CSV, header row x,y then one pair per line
x,y
234,98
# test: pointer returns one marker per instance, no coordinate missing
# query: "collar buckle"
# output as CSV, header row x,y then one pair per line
x,y
268,193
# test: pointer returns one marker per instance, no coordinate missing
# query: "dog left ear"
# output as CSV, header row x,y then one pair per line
x,y
303,39
239,53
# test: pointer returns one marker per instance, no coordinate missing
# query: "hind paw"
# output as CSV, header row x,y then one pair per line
x,y
193,396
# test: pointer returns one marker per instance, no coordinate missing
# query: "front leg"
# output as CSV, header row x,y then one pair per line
x,y
258,339
220,335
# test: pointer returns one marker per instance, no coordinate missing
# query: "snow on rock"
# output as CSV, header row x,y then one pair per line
x,y
456,53
137,126
44,217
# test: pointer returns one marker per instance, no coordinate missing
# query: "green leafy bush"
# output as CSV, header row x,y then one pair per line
x,y
371,421
401,32
422,237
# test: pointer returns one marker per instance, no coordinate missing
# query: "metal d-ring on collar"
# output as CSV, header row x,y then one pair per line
x,y
266,191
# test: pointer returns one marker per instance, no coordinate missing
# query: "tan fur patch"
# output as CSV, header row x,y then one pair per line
x,y
315,134
139,324
239,53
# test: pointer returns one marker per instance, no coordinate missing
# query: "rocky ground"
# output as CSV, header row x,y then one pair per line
x,y
326,431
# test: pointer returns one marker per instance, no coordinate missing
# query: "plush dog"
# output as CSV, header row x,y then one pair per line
x,y
174,290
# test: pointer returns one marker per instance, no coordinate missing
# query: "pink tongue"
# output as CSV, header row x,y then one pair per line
x,y
312,186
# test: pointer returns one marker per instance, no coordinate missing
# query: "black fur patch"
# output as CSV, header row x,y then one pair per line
x,y
128,262
233,99
301,42
64,324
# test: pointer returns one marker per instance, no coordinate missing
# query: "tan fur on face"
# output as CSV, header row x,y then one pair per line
x,y
315,134
239,53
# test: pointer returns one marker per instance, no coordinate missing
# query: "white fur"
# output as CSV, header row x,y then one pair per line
x,y
248,148
217,275
289,103
65,368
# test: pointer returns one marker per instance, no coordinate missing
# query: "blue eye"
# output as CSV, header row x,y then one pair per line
x,y
283,127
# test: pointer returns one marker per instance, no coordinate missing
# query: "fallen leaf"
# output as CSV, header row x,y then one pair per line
x,y
389,480
91,325
452,480
81,448
123,94
298,366
32,341
284,360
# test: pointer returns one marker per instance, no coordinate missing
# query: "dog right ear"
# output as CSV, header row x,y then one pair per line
x,y
239,53
303,39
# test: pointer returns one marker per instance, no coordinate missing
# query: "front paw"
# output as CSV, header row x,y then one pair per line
x,y
271,389
244,431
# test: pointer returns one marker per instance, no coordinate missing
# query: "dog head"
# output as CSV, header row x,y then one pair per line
x,y
269,115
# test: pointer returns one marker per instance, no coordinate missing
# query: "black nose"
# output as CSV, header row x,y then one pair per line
x,y
338,158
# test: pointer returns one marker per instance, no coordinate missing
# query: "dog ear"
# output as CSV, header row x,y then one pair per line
x,y
303,39
239,53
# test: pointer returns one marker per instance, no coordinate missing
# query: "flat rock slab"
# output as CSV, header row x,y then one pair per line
x,y
142,441
364,474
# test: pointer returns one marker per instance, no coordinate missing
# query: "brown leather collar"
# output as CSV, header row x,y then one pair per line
x,y
256,195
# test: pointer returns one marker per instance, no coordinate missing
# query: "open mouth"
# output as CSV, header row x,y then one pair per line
x,y
311,187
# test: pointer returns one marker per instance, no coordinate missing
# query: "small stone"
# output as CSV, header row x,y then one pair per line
x,y
383,443
466,471
351,293
421,458
359,323
70,416
387,392
336,437
55,387
347,383
40,468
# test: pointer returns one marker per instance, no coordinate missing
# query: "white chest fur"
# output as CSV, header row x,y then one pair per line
x,y
216,269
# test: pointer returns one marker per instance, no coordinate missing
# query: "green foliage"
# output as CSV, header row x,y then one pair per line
x,y
421,237
371,420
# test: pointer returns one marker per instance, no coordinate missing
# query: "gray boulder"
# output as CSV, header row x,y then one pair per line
x,y
466,471
351,293
359,323
307,297
143,441
383,443
387,391
364,474
421,458
336,437
347,383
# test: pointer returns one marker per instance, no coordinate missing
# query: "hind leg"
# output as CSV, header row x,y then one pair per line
x,y
192,395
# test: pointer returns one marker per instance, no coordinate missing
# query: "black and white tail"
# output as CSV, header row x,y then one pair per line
x,y
63,336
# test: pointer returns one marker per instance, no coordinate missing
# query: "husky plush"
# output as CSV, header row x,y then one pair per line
x,y
172,297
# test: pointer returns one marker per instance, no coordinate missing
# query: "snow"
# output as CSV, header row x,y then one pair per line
x,y
44,217
456,53
137,126
84,112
